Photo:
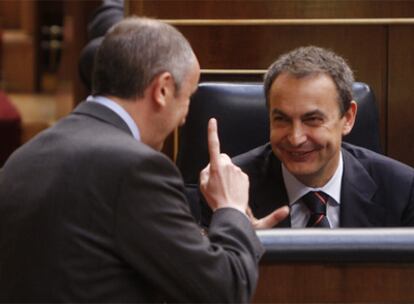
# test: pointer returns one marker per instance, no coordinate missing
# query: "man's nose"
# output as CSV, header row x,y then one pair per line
x,y
297,135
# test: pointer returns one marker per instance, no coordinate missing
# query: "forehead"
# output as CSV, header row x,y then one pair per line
x,y
306,93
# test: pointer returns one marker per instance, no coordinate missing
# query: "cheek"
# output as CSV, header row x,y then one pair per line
x,y
183,112
329,142
335,141
324,135
185,108
334,134
184,116
276,136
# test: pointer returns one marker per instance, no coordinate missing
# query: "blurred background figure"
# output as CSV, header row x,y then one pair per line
x,y
105,16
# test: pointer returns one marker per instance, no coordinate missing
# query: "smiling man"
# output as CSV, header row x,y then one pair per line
x,y
326,182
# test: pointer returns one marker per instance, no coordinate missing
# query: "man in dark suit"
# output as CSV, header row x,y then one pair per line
x,y
104,17
309,97
91,211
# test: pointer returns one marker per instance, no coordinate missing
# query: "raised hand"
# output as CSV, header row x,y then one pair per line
x,y
222,183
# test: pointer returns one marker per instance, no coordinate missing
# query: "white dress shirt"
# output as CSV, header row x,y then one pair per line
x,y
120,111
299,213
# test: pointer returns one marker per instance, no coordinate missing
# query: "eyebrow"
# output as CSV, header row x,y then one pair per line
x,y
313,113
306,115
276,111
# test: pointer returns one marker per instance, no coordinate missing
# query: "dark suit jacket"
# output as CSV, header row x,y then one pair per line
x,y
104,17
89,214
376,190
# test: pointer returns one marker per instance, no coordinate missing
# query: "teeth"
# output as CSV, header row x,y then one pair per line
x,y
297,153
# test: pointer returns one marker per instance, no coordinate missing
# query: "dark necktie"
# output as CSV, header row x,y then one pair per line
x,y
316,201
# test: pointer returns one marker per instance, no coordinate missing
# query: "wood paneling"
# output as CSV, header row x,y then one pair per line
x,y
400,107
272,9
29,20
335,283
19,44
18,61
77,14
10,17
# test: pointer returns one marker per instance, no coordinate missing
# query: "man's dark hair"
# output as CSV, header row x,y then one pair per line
x,y
311,60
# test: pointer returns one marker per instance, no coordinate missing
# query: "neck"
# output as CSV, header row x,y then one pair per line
x,y
141,114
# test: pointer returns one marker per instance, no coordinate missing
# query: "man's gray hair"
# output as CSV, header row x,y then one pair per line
x,y
136,50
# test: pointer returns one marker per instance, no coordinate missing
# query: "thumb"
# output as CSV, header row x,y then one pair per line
x,y
272,219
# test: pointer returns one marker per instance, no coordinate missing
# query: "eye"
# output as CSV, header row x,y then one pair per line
x,y
313,120
279,118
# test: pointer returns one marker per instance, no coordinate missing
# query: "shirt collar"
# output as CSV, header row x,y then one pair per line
x,y
295,189
112,105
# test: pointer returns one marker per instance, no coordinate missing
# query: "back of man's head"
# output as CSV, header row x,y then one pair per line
x,y
136,50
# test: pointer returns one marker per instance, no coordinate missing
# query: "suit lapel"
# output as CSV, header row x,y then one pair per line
x,y
270,190
357,192
102,113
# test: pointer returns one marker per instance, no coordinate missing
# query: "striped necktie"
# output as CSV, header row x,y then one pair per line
x,y
316,202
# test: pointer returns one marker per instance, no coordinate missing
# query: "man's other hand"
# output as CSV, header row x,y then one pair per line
x,y
270,220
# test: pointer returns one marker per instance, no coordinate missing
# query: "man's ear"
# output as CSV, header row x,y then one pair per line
x,y
163,88
349,117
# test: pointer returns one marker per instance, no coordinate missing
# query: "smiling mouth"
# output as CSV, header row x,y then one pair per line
x,y
299,155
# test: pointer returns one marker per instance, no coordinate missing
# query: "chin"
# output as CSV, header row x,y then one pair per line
x,y
300,169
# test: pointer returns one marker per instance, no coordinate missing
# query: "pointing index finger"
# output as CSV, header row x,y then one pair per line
x,y
213,143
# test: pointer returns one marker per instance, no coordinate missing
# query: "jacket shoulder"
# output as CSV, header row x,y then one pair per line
x,y
254,157
377,164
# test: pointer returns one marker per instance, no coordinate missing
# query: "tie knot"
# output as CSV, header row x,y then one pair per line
x,y
316,202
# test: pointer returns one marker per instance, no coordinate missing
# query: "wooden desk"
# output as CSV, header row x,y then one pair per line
x,y
337,266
